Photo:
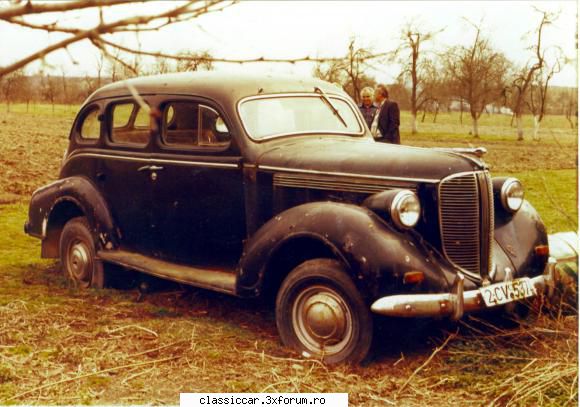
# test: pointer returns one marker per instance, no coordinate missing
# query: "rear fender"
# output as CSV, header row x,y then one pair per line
x,y
53,205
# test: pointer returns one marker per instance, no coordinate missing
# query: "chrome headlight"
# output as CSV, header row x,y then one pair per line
x,y
405,209
512,194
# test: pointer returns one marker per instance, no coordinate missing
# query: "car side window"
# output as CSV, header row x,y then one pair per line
x,y
129,124
190,124
90,128
213,129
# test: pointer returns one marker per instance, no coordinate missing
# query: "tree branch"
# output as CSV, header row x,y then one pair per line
x,y
227,60
39,8
182,12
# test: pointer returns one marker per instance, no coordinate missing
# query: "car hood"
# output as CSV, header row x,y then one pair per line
x,y
364,157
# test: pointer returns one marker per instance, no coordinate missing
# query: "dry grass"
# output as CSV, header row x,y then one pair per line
x,y
63,346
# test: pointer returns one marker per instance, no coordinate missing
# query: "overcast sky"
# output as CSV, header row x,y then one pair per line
x,y
297,29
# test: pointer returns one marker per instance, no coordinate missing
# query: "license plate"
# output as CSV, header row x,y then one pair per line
x,y
507,291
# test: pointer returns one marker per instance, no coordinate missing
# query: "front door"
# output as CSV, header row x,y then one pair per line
x,y
198,210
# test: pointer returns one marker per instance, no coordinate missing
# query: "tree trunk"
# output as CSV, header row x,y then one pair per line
x,y
537,121
475,128
414,123
520,124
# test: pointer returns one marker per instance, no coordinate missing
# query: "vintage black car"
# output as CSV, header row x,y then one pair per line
x,y
273,186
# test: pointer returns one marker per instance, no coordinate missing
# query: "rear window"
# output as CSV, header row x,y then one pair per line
x,y
130,124
90,128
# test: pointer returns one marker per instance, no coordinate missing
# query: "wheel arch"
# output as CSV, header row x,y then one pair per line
x,y
61,212
54,205
293,251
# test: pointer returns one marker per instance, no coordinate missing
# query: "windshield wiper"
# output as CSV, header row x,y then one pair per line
x,y
330,105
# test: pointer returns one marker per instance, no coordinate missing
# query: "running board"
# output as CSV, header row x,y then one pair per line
x,y
211,279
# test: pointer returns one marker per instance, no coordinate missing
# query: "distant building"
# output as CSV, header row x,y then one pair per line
x,y
495,109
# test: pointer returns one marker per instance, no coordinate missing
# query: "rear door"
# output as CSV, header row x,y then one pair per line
x,y
198,196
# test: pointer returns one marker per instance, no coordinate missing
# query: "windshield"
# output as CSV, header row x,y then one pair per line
x,y
284,115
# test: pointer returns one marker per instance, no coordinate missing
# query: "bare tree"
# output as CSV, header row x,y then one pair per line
x,y
64,96
357,62
161,66
417,69
571,108
9,86
537,98
93,83
195,61
350,71
477,73
49,89
19,12
520,85
26,90
330,71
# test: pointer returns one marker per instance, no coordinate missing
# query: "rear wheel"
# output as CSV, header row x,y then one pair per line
x,y
321,314
78,255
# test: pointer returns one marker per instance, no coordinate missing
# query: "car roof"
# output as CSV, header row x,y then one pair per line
x,y
220,86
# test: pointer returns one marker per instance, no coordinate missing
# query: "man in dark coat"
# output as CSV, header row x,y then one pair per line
x,y
385,127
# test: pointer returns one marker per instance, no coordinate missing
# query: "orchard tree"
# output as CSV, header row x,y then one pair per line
x,y
477,73
350,71
49,89
537,98
418,68
10,86
522,82
195,61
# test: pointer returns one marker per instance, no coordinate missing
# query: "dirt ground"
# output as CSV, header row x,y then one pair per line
x,y
60,345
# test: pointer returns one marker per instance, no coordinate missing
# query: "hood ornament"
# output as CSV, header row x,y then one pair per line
x,y
476,151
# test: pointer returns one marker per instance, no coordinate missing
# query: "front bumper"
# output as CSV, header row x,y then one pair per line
x,y
453,304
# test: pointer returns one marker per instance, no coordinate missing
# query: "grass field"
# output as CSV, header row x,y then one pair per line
x,y
59,345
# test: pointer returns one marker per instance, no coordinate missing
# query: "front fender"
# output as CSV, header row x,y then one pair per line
x,y
518,234
375,254
78,191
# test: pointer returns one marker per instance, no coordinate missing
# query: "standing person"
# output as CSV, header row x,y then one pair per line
x,y
367,108
385,126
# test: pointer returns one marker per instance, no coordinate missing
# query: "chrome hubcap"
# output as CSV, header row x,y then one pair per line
x,y
322,320
79,261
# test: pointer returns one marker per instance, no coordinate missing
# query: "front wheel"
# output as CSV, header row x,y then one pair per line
x,y
78,255
320,313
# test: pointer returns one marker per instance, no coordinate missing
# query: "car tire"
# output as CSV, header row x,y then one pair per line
x,y
78,255
321,314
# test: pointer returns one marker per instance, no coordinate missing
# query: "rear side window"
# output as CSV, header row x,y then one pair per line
x,y
130,124
190,124
90,128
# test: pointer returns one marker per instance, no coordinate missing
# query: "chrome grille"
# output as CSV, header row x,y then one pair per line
x,y
491,210
466,219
